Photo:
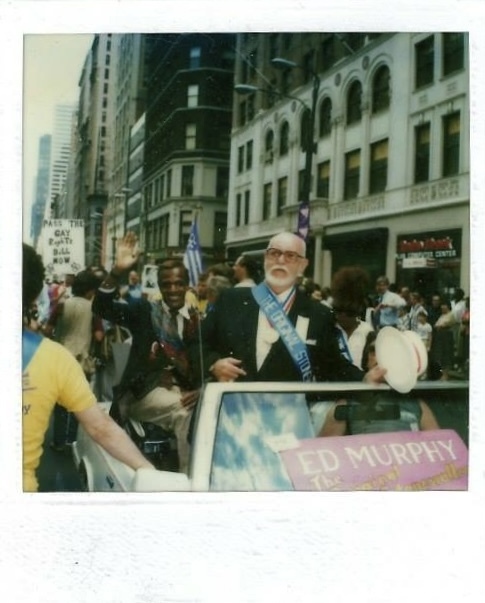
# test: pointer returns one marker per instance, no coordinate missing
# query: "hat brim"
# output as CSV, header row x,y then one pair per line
x,y
395,353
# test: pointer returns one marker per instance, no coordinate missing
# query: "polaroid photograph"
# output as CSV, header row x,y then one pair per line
x,y
284,400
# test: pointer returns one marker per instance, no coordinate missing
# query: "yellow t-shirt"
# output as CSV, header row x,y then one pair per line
x,y
53,375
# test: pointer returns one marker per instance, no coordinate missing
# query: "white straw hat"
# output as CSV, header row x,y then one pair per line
x,y
403,355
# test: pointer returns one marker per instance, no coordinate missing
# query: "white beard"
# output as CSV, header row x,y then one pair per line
x,y
284,281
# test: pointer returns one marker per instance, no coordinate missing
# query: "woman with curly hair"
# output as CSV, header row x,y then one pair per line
x,y
350,286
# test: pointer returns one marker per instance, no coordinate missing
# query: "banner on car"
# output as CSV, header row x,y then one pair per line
x,y
405,461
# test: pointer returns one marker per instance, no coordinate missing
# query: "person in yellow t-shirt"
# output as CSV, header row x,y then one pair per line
x,y
51,375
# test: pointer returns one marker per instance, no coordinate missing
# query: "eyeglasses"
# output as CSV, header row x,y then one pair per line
x,y
290,256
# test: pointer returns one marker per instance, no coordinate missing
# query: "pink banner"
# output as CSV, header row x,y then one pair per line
x,y
404,461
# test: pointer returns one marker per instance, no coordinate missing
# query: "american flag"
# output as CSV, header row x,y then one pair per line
x,y
303,220
193,255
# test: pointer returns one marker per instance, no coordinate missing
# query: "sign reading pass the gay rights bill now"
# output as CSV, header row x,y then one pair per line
x,y
424,460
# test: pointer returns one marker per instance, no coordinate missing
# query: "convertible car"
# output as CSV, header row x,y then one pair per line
x,y
266,437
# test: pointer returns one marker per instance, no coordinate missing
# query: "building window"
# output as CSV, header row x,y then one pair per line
x,y
273,45
250,108
451,144
282,194
105,89
267,194
378,166
305,130
193,96
169,183
301,184
286,81
323,181
164,227
148,195
354,103
194,58
422,136
162,187
381,91
157,191
308,65
187,188
352,173
240,160
185,225
325,117
424,52
190,136
249,155
220,228
328,52
106,74
238,209
453,52
284,138
247,198
242,113
222,182
268,145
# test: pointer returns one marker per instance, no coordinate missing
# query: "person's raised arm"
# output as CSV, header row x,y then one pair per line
x,y
127,255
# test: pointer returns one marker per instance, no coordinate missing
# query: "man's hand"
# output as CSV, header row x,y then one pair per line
x,y
127,252
189,399
375,375
227,369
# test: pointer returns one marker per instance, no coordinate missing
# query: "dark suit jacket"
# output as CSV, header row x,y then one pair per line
x,y
141,367
230,330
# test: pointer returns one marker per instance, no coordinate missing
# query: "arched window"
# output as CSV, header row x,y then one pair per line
x,y
268,146
325,117
354,99
381,89
284,138
304,129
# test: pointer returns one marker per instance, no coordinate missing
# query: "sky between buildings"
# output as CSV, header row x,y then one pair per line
x,y
52,67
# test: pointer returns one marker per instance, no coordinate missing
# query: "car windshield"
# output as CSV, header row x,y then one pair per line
x,y
274,440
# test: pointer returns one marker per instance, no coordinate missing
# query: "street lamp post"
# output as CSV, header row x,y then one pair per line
x,y
310,111
310,144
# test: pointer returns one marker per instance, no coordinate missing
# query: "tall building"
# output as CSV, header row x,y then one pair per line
x,y
187,142
60,154
94,151
134,215
41,192
129,93
389,159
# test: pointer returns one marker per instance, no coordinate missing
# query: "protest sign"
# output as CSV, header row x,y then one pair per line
x,y
63,246
405,461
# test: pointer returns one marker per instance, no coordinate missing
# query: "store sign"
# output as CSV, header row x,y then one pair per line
x,y
405,461
421,250
63,246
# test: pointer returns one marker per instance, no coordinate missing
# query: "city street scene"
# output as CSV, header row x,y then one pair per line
x,y
246,262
